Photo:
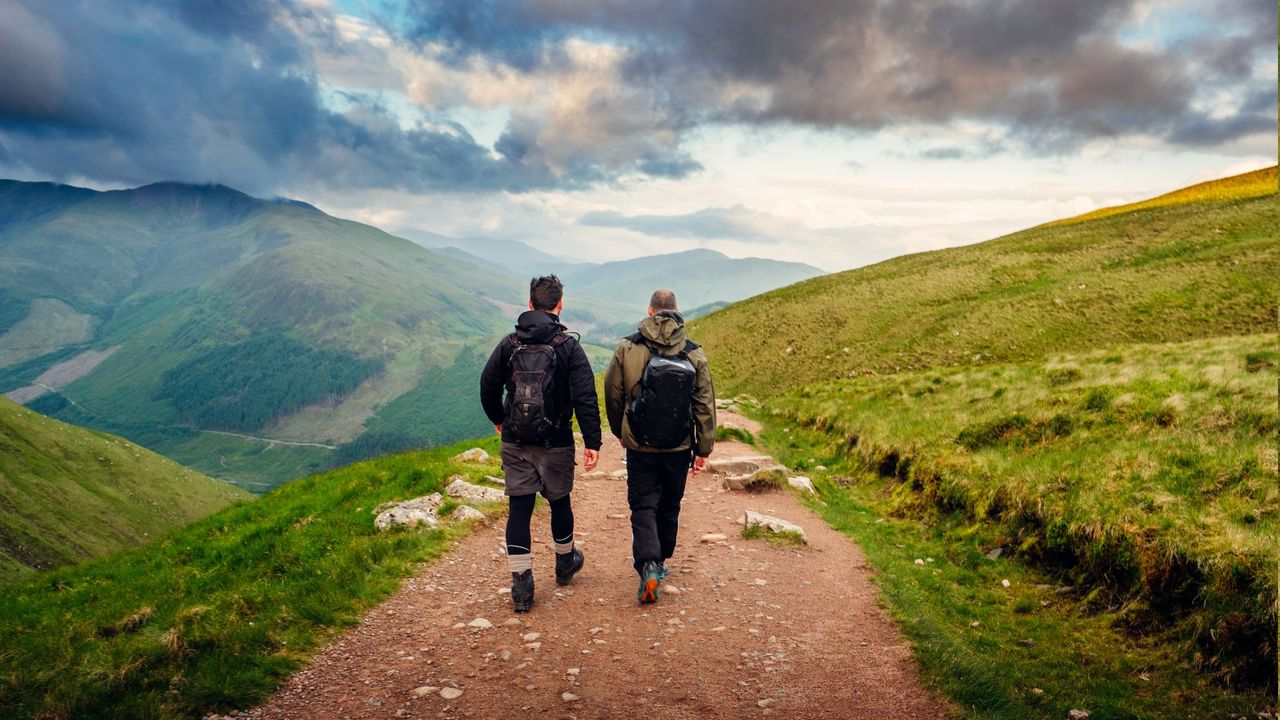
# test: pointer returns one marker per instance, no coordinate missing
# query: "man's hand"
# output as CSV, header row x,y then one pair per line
x,y
699,465
498,428
589,459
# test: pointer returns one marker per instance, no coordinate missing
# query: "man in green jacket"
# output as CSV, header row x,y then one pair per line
x,y
661,404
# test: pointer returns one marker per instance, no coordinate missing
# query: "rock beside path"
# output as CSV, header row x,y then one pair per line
x,y
474,455
803,484
773,525
466,513
757,481
410,513
742,464
463,490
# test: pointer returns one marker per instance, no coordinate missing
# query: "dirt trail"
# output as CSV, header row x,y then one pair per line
x,y
754,629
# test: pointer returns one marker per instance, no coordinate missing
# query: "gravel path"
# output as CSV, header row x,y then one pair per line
x,y
748,630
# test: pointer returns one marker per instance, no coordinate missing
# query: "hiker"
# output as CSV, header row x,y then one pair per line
x,y
547,379
661,405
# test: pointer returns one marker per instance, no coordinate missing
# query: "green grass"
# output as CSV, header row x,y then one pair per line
x,y
67,493
1161,274
1079,656
1146,473
1240,187
742,435
215,615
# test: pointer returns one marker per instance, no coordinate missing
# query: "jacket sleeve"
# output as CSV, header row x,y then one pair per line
x,y
615,394
582,388
704,408
493,380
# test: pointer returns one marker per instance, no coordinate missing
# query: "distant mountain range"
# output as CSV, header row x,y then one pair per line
x,y
610,295
258,340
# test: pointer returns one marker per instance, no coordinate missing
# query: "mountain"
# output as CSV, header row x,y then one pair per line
x,y
1202,265
698,277
67,493
513,256
247,338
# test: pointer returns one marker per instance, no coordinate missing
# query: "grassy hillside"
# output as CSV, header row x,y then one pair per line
x,y
1147,472
215,615
67,493
1240,187
1095,399
1159,274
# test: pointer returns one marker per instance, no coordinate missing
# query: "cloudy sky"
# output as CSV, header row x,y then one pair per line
x,y
835,132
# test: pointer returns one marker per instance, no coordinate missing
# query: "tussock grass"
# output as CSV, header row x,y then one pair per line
x,y
724,432
1147,475
1037,634
217,614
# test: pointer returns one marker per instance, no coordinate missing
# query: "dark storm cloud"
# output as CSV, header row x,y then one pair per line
x,y
1053,73
132,92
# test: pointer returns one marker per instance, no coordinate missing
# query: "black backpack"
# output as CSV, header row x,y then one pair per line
x,y
661,413
532,412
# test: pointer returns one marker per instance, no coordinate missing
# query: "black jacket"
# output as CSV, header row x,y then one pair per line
x,y
575,387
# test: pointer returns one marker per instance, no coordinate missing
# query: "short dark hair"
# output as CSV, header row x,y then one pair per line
x,y
545,292
663,299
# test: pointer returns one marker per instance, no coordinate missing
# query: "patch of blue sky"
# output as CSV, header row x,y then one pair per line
x,y
1169,25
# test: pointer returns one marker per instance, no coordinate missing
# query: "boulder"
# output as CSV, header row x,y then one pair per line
x,y
803,484
463,490
618,475
773,525
758,480
410,513
594,475
474,455
465,513
742,464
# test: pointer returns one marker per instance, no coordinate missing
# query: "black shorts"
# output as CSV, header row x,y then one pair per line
x,y
530,469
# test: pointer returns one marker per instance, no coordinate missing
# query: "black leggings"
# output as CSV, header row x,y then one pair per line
x,y
519,539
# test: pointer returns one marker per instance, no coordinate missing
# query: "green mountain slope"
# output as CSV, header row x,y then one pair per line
x,y
1092,399
1201,268
223,312
67,493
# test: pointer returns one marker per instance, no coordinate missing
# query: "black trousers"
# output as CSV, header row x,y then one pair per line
x,y
655,487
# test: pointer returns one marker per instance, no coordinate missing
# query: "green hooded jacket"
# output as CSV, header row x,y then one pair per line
x,y
664,332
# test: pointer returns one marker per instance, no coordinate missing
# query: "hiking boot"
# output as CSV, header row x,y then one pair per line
x,y
663,571
568,565
650,582
522,590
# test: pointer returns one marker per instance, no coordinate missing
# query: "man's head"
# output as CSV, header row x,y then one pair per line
x,y
662,299
546,293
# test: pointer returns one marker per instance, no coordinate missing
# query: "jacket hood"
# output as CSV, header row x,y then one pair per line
x,y
664,329
537,327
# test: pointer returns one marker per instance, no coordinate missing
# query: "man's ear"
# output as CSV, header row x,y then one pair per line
x,y
650,311
530,304
559,307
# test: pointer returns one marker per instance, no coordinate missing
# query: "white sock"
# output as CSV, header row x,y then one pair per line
x,y
520,563
563,548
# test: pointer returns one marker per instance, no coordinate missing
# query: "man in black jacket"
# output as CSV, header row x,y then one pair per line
x,y
541,461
